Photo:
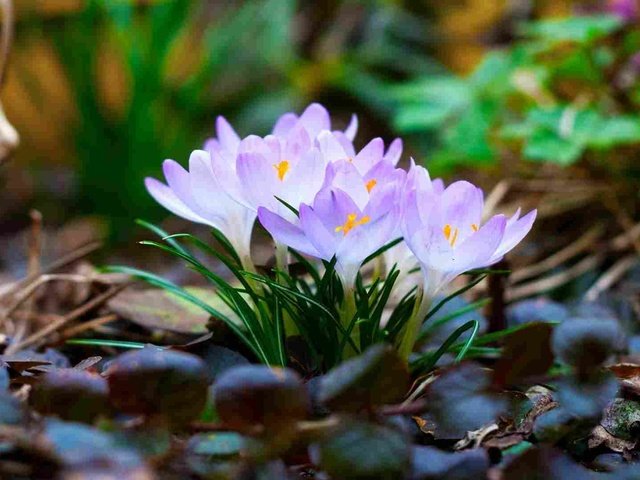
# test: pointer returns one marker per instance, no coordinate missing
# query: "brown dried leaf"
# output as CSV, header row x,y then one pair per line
x,y
628,374
600,436
158,309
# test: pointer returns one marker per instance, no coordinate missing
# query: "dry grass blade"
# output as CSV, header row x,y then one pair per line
x,y
581,245
545,284
69,317
60,263
31,289
85,326
611,276
495,197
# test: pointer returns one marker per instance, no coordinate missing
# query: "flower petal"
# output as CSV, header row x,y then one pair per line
x,y
345,143
477,250
227,136
462,205
284,124
316,232
394,152
352,129
330,147
162,194
371,154
285,232
514,233
258,179
305,179
314,119
343,175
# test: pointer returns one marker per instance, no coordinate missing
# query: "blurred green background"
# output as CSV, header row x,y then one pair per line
x,y
101,91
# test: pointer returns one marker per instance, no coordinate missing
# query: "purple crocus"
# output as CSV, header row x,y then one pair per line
x,y
313,120
400,256
197,196
336,225
446,234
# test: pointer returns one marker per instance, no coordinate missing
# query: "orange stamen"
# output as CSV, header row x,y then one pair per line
x,y
474,227
370,184
352,222
448,231
282,168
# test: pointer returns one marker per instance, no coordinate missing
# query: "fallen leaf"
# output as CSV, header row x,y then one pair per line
x,y
600,436
159,309
628,374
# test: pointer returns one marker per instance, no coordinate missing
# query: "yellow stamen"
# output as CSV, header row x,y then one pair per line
x,y
474,227
370,184
352,221
282,168
447,230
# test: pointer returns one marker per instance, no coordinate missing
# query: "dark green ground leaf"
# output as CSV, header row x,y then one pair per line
x,y
11,410
430,463
218,445
527,352
586,398
377,377
586,343
219,359
4,376
544,463
71,394
361,450
536,310
253,396
460,400
153,382
553,425
622,418
90,453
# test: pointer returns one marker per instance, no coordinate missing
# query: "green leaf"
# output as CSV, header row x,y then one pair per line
x,y
547,146
71,394
152,381
429,361
257,395
96,342
360,450
377,377
615,131
584,29
221,444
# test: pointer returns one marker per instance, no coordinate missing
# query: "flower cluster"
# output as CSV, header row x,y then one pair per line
x,y
315,193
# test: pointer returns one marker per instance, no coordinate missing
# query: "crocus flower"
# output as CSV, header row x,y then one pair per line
x,y
197,196
400,256
446,234
314,119
290,169
335,225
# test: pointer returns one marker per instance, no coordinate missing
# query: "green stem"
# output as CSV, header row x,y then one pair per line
x,y
248,266
347,312
282,265
412,327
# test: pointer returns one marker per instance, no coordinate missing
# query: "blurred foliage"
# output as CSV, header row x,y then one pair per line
x,y
148,79
566,91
